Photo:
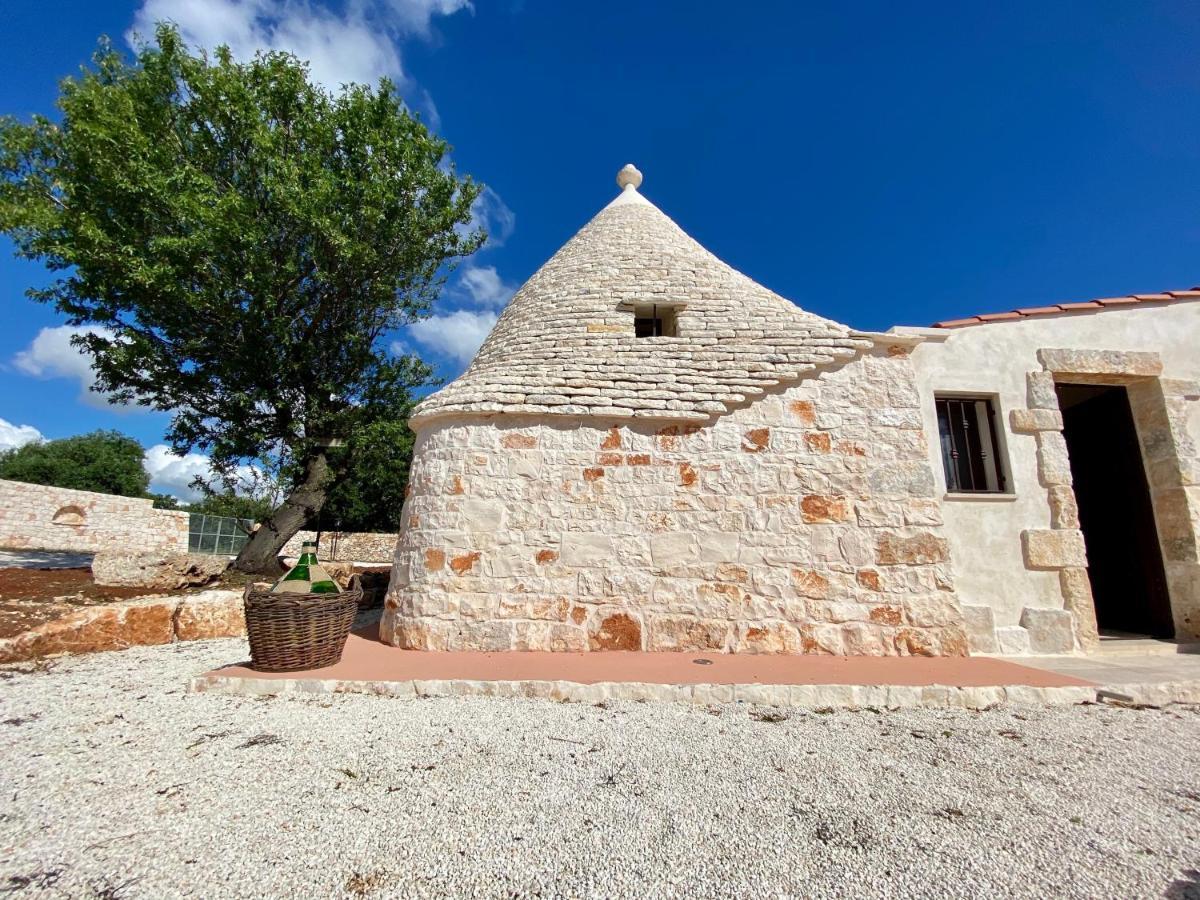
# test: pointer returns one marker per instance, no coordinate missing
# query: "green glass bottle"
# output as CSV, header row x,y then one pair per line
x,y
307,576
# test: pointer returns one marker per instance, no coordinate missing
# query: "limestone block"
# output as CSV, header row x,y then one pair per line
x,y
157,571
980,625
482,515
768,637
1053,548
687,633
1054,465
1041,393
1100,362
673,549
586,549
922,548
1049,630
818,508
1013,640
914,479
616,631
1030,421
1076,589
212,614
1064,511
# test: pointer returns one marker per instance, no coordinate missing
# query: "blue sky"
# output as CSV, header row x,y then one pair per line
x,y
878,163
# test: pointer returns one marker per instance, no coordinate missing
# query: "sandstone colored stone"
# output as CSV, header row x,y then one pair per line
x,y
921,548
1053,548
156,571
687,475
1030,421
214,614
1076,590
818,442
611,459
544,557
637,459
435,559
1100,362
886,615
820,508
1040,391
1050,630
463,564
756,440
980,625
804,411
687,633
1064,510
769,637
514,441
1054,464
612,439
594,474
618,631
869,579
808,583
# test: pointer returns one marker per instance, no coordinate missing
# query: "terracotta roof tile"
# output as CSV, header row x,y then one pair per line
x,y
1101,304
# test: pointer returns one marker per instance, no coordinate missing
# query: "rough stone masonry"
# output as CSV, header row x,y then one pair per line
x,y
756,482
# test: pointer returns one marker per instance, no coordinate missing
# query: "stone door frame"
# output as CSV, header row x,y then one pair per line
x,y
1160,412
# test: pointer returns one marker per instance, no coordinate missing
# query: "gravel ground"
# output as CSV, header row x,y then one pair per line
x,y
116,783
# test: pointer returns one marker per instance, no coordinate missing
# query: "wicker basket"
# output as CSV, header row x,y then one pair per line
x,y
290,632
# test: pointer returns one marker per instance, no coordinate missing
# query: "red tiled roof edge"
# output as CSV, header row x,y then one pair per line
x,y
1056,309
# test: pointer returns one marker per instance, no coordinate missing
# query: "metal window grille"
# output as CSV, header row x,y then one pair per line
x,y
654,322
220,535
969,443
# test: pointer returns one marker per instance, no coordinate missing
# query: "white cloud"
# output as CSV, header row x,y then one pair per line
x,y
173,474
492,214
52,355
357,44
457,334
484,286
12,436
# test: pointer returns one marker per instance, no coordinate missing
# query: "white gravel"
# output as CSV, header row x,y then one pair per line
x,y
114,782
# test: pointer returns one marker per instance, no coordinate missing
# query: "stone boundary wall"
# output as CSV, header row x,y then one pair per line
x,y
804,522
347,546
144,621
39,517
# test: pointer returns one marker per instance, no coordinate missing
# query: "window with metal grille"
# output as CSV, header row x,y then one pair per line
x,y
654,321
970,446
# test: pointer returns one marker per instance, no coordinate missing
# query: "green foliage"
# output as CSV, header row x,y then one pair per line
x,y
236,506
163,501
370,495
107,462
243,241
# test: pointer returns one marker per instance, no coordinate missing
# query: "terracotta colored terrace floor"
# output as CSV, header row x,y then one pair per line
x,y
367,659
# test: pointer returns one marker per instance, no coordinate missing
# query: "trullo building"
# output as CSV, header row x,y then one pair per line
x,y
652,452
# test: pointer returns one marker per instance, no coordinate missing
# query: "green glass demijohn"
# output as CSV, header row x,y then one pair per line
x,y
307,576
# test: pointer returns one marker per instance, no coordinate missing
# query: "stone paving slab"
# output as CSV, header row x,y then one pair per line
x,y
371,667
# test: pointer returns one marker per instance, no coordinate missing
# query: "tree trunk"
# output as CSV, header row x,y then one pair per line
x,y
260,555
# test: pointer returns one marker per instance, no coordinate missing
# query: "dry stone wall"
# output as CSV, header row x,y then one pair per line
x,y
347,546
38,517
804,522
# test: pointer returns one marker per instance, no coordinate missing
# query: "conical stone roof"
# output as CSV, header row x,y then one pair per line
x,y
565,344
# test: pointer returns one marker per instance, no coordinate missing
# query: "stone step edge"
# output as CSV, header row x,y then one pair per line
x,y
799,695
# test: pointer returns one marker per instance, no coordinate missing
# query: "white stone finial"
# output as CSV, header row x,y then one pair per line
x,y
629,177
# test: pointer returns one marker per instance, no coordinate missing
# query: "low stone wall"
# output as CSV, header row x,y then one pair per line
x,y
133,623
347,546
38,517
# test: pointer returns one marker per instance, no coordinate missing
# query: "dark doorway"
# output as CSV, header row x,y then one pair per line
x,y
1125,564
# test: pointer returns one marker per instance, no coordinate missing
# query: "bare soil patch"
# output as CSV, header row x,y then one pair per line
x,y
29,597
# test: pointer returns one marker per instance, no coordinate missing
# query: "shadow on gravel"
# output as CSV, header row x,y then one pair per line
x,y
1185,888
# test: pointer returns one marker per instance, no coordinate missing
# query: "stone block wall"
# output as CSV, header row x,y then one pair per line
x,y
803,522
37,517
347,546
